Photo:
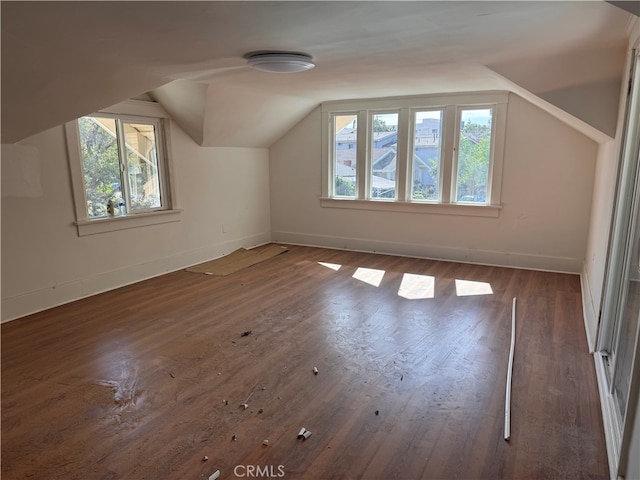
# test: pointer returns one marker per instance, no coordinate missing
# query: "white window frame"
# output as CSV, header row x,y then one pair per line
x,y
332,160
131,110
451,105
411,159
455,162
369,159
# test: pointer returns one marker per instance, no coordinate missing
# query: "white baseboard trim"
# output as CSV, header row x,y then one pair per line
x,y
18,306
612,434
436,252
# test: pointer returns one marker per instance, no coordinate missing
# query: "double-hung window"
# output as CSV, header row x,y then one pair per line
x,y
120,168
436,154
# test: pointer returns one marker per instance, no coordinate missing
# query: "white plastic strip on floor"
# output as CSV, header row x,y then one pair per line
x,y
507,403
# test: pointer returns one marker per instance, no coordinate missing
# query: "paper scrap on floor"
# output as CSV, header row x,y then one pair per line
x,y
237,260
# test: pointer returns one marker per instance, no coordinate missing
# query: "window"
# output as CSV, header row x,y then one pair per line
x,y
427,153
384,150
120,165
473,155
436,154
120,168
345,148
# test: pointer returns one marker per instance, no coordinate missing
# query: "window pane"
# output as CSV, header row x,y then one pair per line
x,y
142,165
474,153
384,146
100,163
345,155
427,142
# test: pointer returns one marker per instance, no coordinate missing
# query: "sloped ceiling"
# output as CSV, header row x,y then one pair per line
x,y
61,60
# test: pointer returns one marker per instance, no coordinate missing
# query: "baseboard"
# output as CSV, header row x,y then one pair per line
x,y
612,434
437,252
18,306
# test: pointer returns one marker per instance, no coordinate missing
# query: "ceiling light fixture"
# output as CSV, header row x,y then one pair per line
x,y
280,62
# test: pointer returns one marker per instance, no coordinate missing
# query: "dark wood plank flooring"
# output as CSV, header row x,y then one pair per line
x,y
144,381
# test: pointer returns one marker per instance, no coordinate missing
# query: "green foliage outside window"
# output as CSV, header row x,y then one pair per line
x,y
99,151
345,188
380,125
473,162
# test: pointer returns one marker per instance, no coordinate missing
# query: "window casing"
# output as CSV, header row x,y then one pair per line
x,y
435,154
120,168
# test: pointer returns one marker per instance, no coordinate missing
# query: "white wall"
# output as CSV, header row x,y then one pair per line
x,y
546,194
45,263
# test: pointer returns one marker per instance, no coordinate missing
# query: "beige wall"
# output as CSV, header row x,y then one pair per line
x,y
546,194
45,263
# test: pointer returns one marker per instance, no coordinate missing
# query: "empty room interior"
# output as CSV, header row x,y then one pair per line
x,y
320,240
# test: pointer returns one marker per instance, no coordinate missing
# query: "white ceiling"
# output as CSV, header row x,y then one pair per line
x,y
61,60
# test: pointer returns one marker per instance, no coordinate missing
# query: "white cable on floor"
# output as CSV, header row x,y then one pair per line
x,y
507,403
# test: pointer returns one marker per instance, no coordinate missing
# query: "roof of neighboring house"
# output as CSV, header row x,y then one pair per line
x,y
349,173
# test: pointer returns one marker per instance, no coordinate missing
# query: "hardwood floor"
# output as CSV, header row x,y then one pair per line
x,y
144,381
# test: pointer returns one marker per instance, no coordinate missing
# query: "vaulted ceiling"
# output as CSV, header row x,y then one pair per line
x,y
61,60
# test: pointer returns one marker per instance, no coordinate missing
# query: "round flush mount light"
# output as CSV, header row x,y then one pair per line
x,y
280,62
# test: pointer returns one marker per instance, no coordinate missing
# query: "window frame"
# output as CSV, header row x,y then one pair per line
x,y
332,161
456,159
411,155
369,158
127,112
451,105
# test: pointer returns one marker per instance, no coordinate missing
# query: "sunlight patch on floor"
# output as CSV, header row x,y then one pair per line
x,y
369,275
466,288
332,266
415,287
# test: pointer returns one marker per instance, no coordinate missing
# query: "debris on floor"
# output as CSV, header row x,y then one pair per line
x,y
265,442
246,333
244,405
234,438
304,433
205,458
260,411
315,370
377,412
214,475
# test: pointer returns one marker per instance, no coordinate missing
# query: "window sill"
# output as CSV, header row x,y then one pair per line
x,y
414,207
110,224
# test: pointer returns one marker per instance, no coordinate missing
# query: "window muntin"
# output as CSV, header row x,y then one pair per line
x,y
120,166
345,156
473,157
426,155
384,153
